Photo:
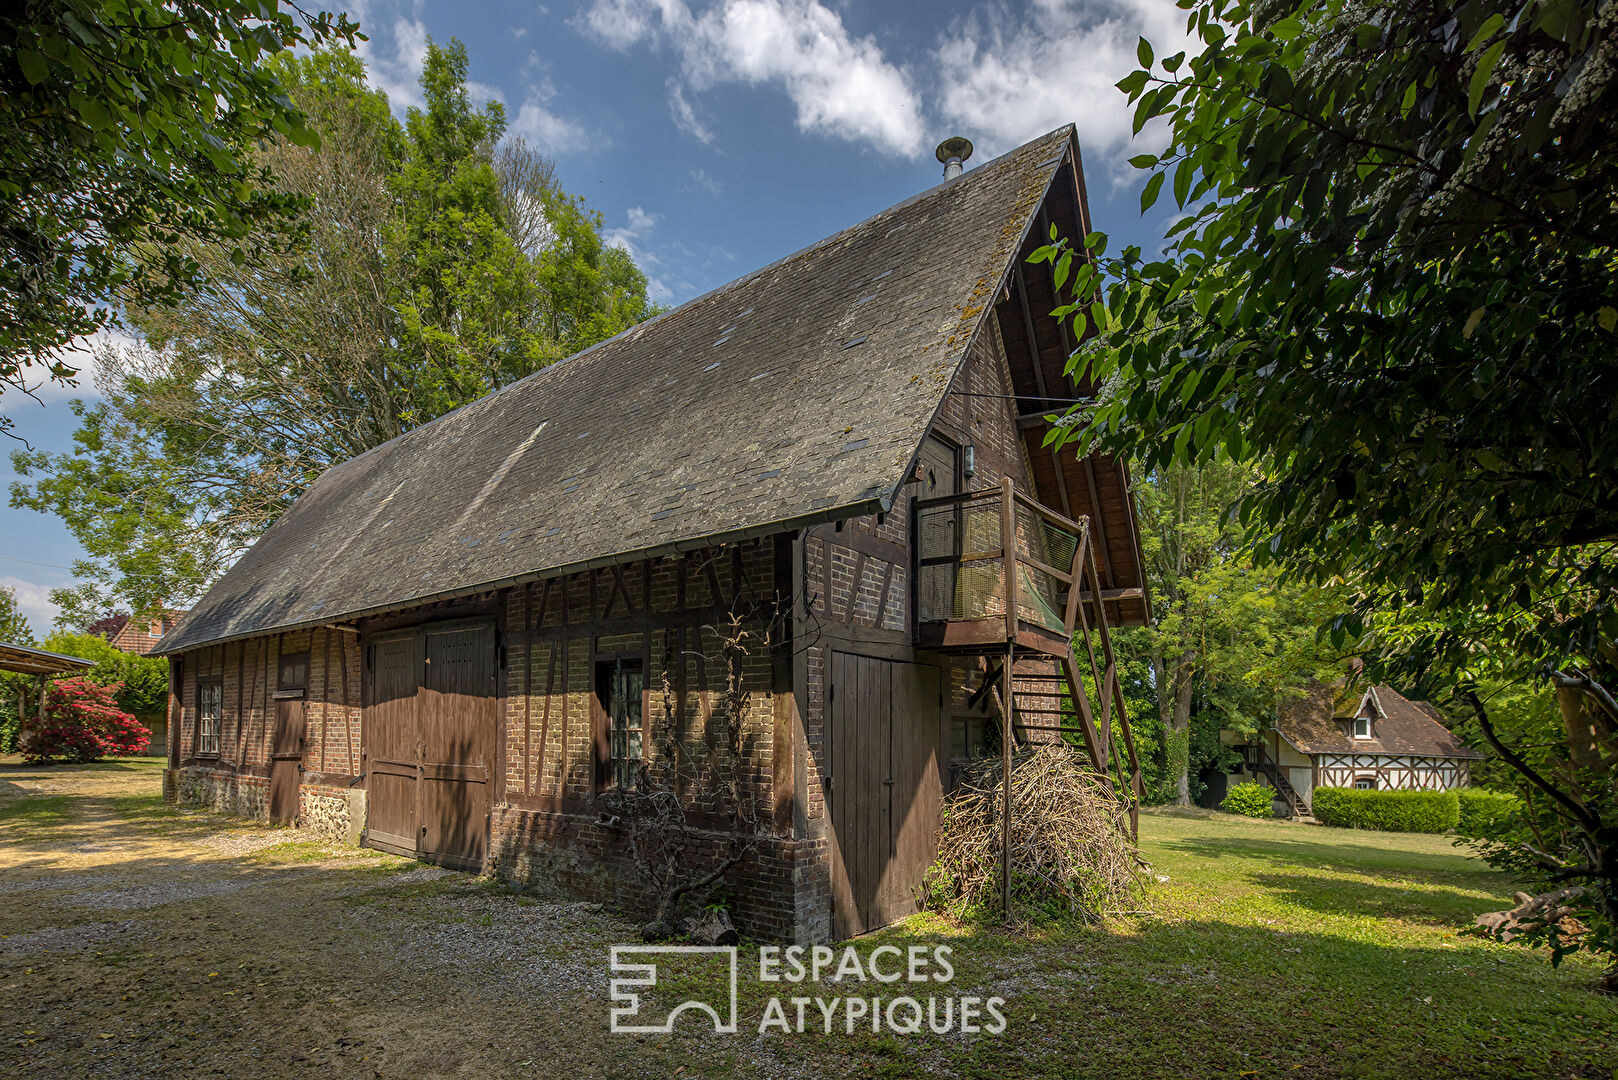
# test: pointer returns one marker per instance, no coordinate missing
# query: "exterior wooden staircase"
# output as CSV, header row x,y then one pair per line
x,y
1014,583
1256,760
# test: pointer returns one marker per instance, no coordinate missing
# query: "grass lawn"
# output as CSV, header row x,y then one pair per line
x,y
140,941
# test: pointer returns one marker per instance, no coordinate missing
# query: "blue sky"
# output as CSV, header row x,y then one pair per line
x,y
715,136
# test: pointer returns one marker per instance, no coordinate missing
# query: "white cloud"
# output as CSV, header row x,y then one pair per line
x,y
34,601
549,132
685,117
632,237
842,86
538,122
82,356
393,56
707,182
1006,78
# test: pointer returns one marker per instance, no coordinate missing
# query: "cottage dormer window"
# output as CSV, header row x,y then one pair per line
x,y
1362,727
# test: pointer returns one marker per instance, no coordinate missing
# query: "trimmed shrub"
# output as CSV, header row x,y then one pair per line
x,y
1485,813
84,723
1250,799
1390,811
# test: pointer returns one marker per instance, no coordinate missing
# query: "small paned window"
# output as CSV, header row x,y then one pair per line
x,y
1362,727
619,684
968,738
1365,783
294,672
210,705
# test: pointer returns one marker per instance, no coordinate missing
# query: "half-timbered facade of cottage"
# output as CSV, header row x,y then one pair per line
x,y
796,546
1373,738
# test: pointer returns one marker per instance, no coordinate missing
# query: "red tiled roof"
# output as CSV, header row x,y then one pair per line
x,y
137,635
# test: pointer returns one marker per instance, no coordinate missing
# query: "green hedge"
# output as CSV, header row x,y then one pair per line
x,y
1249,799
1485,813
1390,811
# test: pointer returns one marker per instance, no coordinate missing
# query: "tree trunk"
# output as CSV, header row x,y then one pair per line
x,y
1179,728
1589,730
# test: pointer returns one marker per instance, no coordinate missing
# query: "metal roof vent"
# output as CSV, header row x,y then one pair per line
x,y
952,153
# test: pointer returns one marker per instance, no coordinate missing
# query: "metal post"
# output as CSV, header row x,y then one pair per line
x,y
1008,697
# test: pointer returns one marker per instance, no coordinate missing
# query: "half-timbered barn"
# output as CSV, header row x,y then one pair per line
x,y
808,520
1372,738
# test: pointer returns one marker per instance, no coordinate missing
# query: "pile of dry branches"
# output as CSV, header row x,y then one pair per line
x,y
1070,849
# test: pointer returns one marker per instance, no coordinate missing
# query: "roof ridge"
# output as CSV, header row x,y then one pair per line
x,y
1067,130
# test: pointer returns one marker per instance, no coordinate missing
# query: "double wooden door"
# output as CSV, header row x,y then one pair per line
x,y
429,737
883,788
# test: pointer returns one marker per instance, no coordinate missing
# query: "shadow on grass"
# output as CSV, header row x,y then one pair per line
x,y
1314,854
137,764
1426,903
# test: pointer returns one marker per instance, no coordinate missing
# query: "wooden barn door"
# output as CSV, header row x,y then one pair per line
x,y
286,758
391,749
456,712
429,735
884,787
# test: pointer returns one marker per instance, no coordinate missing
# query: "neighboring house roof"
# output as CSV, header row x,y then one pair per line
x,y
27,660
797,394
140,636
1319,723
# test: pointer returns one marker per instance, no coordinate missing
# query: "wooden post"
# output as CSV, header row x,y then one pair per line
x,y
1008,695
1008,557
1008,698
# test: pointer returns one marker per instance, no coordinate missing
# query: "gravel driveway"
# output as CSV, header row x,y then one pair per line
x,y
140,941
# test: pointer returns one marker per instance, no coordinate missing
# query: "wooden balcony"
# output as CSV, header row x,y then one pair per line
x,y
1002,577
967,603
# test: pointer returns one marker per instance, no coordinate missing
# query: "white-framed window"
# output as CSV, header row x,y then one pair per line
x,y
1365,783
210,703
1362,727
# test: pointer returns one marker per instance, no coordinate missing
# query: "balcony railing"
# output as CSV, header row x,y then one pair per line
x,y
994,565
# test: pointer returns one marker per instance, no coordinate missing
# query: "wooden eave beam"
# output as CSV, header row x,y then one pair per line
x,y
1100,520
1039,381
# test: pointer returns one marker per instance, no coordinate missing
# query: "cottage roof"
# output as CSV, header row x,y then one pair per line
x,y
1320,723
797,394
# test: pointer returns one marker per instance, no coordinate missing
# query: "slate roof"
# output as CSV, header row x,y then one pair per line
x,y
796,394
1318,723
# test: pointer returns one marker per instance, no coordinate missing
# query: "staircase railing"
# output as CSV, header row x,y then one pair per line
x,y
1257,760
998,573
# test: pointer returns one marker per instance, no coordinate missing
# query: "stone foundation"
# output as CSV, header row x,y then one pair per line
x,y
333,814
221,792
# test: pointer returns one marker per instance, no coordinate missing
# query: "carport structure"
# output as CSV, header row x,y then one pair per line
x,y
41,664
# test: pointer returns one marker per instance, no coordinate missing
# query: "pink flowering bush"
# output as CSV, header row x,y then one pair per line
x,y
84,723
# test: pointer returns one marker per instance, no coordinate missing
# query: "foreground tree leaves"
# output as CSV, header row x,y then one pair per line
x,y
126,125
1391,284
427,269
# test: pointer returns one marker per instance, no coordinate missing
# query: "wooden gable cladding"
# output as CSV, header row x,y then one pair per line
x,y
1037,349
